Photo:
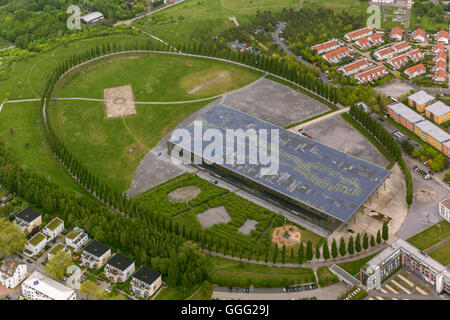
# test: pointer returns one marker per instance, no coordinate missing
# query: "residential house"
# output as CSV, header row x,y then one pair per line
x,y
364,43
54,228
36,244
438,46
371,74
398,61
12,273
415,55
441,36
404,115
28,221
419,35
420,100
336,55
415,71
358,34
326,46
440,55
119,268
440,64
145,282
401,47
396,33
440,75
95,255
76,238
385,53
376,39
41,287
439,112
429,132
354,67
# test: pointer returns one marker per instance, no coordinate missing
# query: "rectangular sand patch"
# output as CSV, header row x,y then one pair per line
x,y
119,101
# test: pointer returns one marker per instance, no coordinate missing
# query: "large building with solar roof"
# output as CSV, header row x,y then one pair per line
x,y
321,185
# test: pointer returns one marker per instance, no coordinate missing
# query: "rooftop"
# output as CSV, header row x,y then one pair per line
x,y
37,238
28,214
309,172
438,108
433,131
325,45
96,248
48,286
57,248
146,275
406,113
358,32
354,65
416,68
421,97
92,16
54,224
120,261
446,203
9,266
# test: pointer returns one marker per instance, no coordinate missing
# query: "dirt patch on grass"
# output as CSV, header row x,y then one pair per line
x,y
213,216
184,194
119,101
207,82
287,235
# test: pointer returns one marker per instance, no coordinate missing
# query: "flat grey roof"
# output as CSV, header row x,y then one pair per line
x,y
406,113
91,16
421,97
316,175
433,131
438,108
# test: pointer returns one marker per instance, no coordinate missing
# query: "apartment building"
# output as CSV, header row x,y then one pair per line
x,y
420,100
364,43
415,55
415,71
446,149
354,67
440,75
441,36
404,115
419,35
28,221
438,46
41,287
95,255
76,238
439,112
119,268
396,33
358,34
431,133
145,282
444,209
336,55
402,254
398,61
54,228
36,244
384,54
326,46
12,273
401,47
371,74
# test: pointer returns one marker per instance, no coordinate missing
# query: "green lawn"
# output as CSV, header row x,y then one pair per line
x,y
205,292
326,278
193,18
353,267
236,273
176,293
113,148
431,235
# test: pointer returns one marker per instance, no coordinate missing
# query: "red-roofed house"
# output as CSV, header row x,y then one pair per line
x,y
415,54
440,64
416,70
372,74
440,55
354,67
364,43
384,53
398,61
376,39
396,33
326,46
336,55
419,35
438,46
440,75
441,36
401,47
358,34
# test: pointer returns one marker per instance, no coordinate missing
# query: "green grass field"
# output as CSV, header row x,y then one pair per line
x,y
431,235
442,254
114,147
425,23
353,267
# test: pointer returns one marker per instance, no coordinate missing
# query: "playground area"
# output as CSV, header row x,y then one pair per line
x,y
287,235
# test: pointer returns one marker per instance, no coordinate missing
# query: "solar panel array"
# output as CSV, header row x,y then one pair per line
x,y
321,177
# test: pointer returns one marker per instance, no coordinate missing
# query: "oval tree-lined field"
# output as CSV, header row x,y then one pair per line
x,y
114,147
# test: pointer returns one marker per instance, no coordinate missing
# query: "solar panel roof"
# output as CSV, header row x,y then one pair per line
x,y
321,177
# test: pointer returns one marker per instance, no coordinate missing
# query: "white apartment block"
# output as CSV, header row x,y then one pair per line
x,y
28,220
36,244
12,273
76,238
40,287
119,268
54,228
444,209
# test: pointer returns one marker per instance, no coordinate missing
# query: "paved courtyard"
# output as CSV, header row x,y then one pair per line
x,y
394,88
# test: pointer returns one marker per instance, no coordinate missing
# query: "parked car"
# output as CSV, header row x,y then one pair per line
x,y
415,168
230,289
430,172
350,230
29,261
